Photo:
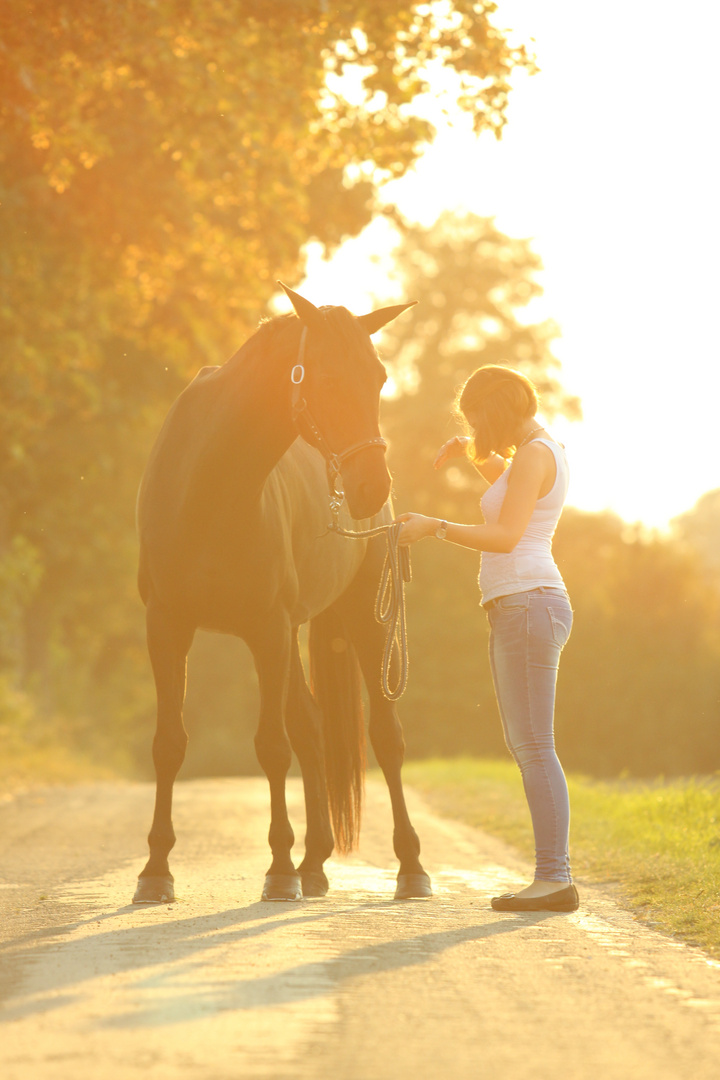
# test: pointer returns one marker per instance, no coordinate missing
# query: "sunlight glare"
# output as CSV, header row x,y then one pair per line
x,y
615,180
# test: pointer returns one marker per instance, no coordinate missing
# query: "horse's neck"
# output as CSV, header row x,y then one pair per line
x,y
262,416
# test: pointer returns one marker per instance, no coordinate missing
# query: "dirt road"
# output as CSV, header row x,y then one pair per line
x,y
351,987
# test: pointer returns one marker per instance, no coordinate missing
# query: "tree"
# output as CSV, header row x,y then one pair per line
x,y
162,163
699,530
639,685
639,688
470,281
187,149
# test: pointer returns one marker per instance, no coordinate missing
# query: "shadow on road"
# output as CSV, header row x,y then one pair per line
x,y
186,967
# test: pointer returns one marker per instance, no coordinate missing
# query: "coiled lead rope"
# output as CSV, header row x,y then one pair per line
x,y
390,601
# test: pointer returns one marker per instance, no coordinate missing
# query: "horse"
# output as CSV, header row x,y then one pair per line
x,y
233,531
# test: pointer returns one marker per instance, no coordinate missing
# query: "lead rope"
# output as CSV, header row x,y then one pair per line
x,y
390,600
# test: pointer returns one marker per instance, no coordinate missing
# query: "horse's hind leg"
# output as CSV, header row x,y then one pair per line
x,y
271,650
385,730
304,726
168,643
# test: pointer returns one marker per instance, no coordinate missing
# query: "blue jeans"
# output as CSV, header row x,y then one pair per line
x,y
527,633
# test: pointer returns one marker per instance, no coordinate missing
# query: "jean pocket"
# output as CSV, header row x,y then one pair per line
x,y
513,602
561,623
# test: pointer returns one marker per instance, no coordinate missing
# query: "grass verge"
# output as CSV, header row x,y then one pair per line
x,y
659,841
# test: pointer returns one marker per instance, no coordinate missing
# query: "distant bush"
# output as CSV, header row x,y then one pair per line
x,y
639,686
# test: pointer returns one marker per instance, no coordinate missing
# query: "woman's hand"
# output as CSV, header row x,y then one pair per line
x,y
455,447
415,527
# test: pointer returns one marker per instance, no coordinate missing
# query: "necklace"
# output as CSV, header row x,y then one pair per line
x,y
531,432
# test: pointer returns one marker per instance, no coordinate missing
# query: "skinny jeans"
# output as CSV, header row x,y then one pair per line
x,y
527,633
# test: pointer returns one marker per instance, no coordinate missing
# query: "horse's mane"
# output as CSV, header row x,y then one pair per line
x,y
262,338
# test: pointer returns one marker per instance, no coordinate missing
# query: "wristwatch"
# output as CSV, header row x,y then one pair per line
x,y
441,531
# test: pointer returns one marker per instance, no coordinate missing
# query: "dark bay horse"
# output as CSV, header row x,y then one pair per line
x,y
233,516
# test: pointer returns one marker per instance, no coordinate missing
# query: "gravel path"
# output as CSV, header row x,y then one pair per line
x,y
350,987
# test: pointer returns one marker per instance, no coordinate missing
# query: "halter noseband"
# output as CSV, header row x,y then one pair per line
x,y
300,409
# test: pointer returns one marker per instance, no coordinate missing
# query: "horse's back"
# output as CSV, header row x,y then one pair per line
x,y
184,440
188,484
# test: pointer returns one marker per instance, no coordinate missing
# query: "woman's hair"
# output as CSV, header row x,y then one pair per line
x,y
498,399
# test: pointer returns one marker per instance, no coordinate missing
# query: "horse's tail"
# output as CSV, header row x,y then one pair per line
x,y
335,683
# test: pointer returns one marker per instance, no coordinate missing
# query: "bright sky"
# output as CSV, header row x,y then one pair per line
x,y
610,163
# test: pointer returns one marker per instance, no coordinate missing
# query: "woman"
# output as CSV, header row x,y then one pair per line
x,y
525,599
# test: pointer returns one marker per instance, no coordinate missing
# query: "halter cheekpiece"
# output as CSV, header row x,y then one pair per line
x,y
300,410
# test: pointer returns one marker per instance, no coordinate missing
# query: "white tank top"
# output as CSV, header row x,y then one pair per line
x,y
530,565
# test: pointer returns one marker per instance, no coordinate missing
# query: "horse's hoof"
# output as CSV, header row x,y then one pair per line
x,y
413,887
314,883
154,890
282,887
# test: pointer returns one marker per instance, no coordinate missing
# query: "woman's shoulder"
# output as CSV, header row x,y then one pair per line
x,y
559,453
542,449
537,451
540,462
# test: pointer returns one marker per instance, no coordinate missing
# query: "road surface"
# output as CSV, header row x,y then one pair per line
x,y
351,987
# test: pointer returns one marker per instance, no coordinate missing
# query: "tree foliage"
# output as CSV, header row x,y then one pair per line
x,y
162,162
187,149
639,683
639,689
698,529
471,282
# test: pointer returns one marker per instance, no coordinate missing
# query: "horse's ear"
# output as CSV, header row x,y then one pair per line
x,y
304,309
375,320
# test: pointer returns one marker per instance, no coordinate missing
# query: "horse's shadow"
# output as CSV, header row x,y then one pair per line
x,y
179,994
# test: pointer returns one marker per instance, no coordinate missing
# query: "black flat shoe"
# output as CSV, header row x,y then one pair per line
x,y
562,900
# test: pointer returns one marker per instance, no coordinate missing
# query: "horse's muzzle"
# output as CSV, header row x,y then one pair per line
x,y
366,489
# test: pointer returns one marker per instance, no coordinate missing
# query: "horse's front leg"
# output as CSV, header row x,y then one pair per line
x,y
304,727
384,727
272,653
168,640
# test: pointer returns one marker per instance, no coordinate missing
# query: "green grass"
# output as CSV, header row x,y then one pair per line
x,y
657,842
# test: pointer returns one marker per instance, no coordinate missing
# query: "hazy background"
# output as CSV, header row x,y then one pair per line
x,y
163,165
609,163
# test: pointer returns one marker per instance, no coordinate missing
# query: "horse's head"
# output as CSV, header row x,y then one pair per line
x,y
337,379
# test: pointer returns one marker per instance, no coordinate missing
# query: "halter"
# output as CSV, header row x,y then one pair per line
x,y
334,461
390,601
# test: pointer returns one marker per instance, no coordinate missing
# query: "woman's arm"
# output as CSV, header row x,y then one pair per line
x,y
531,470
490,469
